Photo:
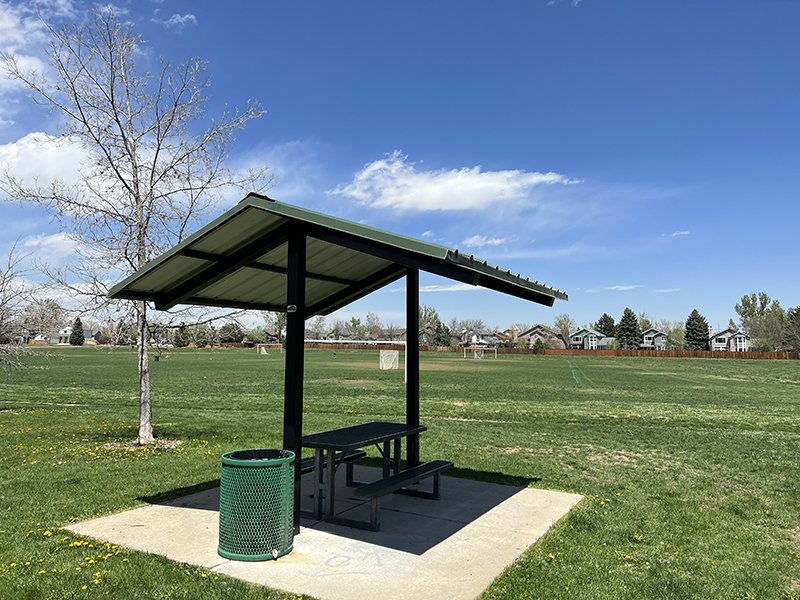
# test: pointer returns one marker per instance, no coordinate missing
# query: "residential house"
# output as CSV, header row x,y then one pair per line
x,y
394,334
653,339
551,338
730,340
426,335
589,339
88,335
479,337
586,339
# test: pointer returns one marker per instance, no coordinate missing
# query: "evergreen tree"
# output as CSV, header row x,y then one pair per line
x,y
441,335
181,338
791,335
231,332
606,326
696,335
539,344
629,335
76,337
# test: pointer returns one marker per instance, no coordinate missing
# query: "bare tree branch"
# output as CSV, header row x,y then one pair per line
x,y
149,176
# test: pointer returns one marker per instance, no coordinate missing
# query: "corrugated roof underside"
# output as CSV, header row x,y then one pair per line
x,y
237,232
174,271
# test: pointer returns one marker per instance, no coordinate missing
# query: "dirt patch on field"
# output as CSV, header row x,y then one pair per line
x,y
469,366
617,457
133,444
795,535
651,373
723,378
346,381
470,420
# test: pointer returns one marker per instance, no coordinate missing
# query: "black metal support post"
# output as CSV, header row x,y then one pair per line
x,y
293,378
412,364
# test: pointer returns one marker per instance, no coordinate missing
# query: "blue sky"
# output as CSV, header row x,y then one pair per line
x,y
632,154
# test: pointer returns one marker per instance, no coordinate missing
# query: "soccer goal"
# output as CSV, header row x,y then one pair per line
x,y
390,359
265,348
479,352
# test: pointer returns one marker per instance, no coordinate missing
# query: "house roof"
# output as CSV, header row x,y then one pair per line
x,y
585,331
729,333
240,261
540,327
654,331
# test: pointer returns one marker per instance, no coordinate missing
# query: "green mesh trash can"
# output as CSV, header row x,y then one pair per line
x,y
256,504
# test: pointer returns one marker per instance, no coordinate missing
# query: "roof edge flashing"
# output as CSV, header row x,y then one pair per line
x,y
482,267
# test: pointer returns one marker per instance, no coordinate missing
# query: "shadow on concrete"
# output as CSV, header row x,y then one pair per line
x,y
408,524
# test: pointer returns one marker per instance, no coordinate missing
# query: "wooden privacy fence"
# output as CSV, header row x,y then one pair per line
x,y
642,353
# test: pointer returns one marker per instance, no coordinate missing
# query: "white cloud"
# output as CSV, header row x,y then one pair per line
x,y
21,36
478,241
394,182
295,166
39,157
622,288
428,234
50,248
176,20
680,233
667,291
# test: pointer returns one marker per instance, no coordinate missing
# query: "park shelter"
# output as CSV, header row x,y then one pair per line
x,y
266,255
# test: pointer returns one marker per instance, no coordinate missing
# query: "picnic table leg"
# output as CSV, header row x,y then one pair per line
x,y
397,454
331,468
319,485
386,458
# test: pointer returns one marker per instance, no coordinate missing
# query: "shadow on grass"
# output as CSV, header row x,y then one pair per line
x,y
472,474
168,496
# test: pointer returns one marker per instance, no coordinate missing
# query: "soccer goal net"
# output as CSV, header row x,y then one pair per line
x,y
267,348
390,359
479,352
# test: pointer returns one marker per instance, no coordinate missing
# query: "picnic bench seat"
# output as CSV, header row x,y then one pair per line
x,y
307,466
397,482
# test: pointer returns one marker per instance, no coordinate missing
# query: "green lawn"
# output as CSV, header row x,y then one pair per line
x,y
690,467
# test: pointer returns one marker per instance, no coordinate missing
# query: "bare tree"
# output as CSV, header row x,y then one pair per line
x,y
317,327
14,295
44,314
393,331
373,325
338,329
564,324
152,174
518,328
275,321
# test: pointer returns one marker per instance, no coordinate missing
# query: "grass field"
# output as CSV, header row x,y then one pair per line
x,y
690,467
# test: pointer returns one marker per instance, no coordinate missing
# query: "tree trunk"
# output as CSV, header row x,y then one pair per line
x,y
145,406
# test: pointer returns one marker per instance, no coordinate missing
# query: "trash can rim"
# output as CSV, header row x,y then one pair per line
x,y
249,456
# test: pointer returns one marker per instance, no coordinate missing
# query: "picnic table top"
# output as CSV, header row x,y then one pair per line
x,y
358,436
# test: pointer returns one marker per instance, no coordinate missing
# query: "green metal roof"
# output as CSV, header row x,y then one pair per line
x,y
240,261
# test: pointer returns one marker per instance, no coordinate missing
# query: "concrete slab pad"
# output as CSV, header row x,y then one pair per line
x,y
451,548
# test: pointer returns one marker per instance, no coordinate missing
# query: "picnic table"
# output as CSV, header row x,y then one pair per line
x,y
333,447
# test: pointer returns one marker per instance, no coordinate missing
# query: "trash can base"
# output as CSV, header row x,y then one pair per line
x,y
274,555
